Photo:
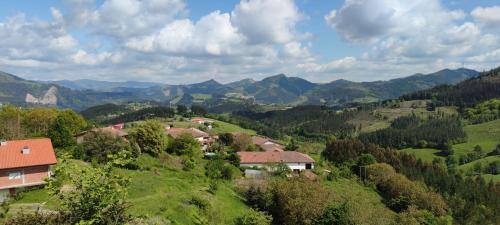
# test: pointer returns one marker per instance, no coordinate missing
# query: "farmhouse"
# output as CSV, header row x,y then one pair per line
x,y
111,129
24,163
267,144
203,138
295,160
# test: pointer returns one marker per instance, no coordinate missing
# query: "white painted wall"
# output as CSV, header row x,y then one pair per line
x,y
293,166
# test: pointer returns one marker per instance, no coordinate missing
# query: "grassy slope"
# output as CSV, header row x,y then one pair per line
x,y
162,191
486,135
219,127
165,191
366,204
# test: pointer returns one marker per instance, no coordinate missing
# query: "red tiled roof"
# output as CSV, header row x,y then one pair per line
x,y
176,132
40,153
274,157
266,144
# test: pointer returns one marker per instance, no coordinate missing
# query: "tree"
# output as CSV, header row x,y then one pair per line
x,y
226,139
241,141
185,144
182,109
297,201
337,214
366,159
101,145
292,146
198,110
66,125
89,195
234,158
10,118
254,217
150,136
37,121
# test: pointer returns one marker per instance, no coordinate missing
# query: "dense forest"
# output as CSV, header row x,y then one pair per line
x,y
306,122
411,131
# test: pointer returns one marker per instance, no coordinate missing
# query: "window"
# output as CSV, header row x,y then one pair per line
x,y
14,175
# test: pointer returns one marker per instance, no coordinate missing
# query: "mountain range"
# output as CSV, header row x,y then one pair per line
x,y
278,89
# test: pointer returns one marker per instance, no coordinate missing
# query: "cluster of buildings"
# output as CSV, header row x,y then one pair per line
x,y
26,163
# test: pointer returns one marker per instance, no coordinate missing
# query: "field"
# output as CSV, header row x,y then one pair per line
x,y
486,135
218,128
427,154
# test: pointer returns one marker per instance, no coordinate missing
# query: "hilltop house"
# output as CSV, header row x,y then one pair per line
x,y
111,129
202,137
267,144
295,160
24,163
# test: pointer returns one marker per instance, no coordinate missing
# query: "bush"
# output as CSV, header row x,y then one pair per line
x,y
188,163
253,217
337,214
36,218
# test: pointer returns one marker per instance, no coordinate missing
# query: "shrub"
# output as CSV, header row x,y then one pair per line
x,y
337,214
253,217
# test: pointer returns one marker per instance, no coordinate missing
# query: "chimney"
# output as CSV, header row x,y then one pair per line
x,y
3,143
25,150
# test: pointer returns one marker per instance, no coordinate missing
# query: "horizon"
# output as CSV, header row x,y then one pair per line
x,y
249,78
182,41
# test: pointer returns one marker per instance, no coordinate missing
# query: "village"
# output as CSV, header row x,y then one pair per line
x,y
28,163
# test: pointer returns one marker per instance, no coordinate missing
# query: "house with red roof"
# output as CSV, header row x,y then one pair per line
x,y
295,160
24,163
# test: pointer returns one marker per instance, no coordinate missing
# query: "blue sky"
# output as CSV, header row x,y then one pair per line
x,y
186,41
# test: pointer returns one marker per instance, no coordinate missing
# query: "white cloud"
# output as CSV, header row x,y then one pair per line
x,y
264,21
122,18
487,15
211,35
362,20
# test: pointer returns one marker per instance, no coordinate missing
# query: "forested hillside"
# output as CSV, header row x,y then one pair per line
x,y
467,93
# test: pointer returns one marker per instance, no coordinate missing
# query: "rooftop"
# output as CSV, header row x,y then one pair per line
x,y
40,153
274,157
176,132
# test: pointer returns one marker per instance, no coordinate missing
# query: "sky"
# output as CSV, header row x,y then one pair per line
x,y
189,41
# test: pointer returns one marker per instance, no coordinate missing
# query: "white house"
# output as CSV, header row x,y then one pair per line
x,y
295,160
